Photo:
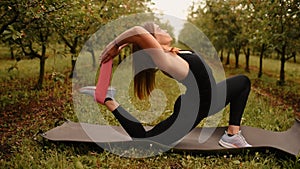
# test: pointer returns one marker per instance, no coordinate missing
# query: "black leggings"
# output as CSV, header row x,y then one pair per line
x,y
237,91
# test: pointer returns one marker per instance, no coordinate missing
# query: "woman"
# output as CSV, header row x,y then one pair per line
x,y
187,68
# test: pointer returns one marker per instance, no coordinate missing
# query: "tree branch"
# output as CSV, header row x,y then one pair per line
x,y
277,50
4,27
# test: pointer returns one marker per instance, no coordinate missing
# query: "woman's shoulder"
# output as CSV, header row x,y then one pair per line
x,y
187,53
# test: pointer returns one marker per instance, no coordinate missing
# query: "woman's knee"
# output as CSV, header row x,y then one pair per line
x,y
245,81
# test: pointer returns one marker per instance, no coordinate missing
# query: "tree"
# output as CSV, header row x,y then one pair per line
x,y
222,20
204,17
243,24
76,24
9,14
284,23
33,24
260,38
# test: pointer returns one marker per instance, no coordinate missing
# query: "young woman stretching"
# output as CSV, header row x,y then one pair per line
x,y
191,71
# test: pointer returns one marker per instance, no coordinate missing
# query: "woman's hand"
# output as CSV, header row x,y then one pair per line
x,y
110,51
168,48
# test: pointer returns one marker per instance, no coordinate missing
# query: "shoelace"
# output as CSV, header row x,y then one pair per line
x,y
242,137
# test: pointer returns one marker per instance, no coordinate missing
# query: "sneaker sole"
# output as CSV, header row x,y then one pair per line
x,y
88,91
227,145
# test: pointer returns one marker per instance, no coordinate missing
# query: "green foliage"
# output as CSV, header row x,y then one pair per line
x,y
33,26
260,25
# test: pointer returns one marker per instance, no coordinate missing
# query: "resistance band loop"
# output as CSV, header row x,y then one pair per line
x,y
103,81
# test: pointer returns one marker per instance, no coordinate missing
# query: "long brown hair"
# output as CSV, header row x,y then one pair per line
x,y
144,80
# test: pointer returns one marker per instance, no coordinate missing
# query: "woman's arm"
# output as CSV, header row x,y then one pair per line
x,y
165,61
134,35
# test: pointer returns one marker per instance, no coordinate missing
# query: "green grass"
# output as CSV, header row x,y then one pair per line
x,y
26,112
271,67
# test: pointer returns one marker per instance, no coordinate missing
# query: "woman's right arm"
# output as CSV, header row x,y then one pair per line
x,y
135,35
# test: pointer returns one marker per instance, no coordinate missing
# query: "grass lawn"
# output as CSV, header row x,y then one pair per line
x,y
26,112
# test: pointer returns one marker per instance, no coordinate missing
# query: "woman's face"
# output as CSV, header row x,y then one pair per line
x,y
162,36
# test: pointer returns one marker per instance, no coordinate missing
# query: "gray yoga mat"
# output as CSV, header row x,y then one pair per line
x,y
286,141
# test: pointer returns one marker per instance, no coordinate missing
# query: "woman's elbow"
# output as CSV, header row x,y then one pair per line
x,y
134,35
138,30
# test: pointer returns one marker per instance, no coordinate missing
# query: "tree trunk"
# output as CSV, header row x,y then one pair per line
x,y
42,58
247,55
91,50
73,58
221,55
73,63
12,56
261,60
120,59
237,54
282,63
294,56
228,58
93,58
42,72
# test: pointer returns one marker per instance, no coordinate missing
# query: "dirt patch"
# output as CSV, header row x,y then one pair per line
x,y
277,97
27,112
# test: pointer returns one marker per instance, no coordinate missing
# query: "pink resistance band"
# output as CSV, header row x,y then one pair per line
x,y
103,81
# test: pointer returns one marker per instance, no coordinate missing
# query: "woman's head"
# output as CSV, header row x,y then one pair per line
x,y
150,27
162,36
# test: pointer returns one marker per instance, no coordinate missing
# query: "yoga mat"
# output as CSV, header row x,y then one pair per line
x,y
286,141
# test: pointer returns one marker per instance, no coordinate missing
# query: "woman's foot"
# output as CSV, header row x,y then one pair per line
x,y
111,92
233,141
90,90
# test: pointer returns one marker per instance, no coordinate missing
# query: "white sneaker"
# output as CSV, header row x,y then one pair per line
x,y
235,141
90,90
111,92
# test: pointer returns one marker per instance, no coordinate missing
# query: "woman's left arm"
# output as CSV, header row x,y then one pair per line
x,y
129,36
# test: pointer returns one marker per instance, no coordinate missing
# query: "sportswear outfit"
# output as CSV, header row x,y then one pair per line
x,y
203,97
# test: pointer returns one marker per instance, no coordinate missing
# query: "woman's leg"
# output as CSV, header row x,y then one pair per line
x,y
237,92
131,125
168,131
238,89
134,128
